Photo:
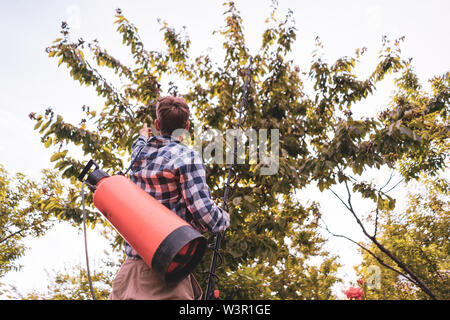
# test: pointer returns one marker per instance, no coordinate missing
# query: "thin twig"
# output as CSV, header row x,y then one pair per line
x,y
390,178
395,185
339,198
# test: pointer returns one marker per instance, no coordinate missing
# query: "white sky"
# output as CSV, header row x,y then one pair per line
x,y
30,81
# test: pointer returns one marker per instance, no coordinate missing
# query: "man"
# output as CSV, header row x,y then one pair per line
x,y
175,175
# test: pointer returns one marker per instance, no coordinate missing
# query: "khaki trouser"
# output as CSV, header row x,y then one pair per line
x,y
136,281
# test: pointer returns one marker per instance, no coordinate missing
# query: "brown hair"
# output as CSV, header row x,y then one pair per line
x,y
173,113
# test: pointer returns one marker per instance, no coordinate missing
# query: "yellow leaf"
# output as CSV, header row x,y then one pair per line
x,y
48,143
37,124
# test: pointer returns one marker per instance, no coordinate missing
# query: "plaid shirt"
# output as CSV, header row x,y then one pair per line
x,y
175,175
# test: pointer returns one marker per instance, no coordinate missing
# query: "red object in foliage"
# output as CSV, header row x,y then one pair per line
x,y
354,293
216,294
360,281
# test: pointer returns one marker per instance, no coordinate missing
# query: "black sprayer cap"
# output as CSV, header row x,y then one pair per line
x,y
94,177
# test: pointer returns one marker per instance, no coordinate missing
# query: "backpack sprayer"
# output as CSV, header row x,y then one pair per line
x,y
167,243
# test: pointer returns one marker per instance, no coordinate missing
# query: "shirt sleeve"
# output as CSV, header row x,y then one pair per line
x,y
137,146
197,196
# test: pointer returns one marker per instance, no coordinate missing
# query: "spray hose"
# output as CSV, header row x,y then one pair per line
x,y
91,288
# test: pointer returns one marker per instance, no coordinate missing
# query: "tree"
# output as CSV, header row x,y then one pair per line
x,y
22,214
418,121
419,236
272,236
72,283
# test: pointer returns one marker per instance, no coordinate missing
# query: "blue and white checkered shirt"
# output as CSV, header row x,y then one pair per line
x,y
175,175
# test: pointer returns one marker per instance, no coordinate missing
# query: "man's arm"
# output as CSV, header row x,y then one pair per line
x,y
197,196
141,141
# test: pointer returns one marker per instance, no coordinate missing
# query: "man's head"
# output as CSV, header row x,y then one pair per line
x,y
172,113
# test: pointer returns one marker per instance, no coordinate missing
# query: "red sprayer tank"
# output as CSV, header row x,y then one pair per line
x,y
166,242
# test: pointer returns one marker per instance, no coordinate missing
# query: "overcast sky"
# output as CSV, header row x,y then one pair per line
x,y
30,81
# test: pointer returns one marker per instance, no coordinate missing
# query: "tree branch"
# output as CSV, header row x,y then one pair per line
x,y
383,249
376,221
12,235
370,252
350,208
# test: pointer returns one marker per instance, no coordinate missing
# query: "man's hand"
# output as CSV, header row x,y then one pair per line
x,y
146,132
